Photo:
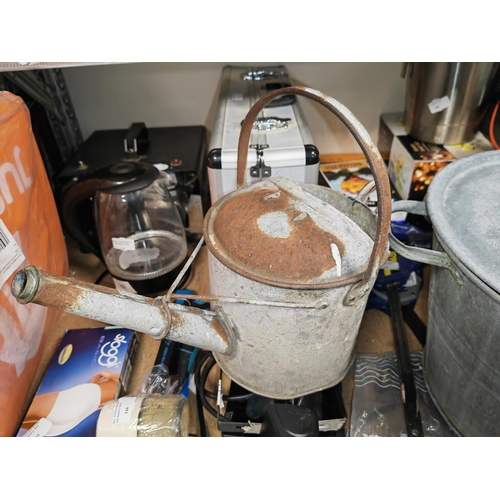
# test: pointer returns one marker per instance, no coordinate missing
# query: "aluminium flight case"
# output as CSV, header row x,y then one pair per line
x,y
281,143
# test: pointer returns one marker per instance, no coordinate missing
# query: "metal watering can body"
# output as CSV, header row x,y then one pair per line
x,y
281,333
302,340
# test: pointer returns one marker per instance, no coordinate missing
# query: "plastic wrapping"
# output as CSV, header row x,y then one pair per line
x,y
145,416
158,381
153,412
377,406
30,234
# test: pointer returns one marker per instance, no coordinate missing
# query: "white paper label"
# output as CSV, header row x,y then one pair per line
x,y
391,263
123,410
392,266
123,244
124,286
40,429
437,105
11,256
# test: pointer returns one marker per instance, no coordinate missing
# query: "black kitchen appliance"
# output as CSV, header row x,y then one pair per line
x,y
145,170
179,151
142,240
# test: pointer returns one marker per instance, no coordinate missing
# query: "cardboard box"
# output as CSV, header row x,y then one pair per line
x,y
90,367
413,163
349,178
390,125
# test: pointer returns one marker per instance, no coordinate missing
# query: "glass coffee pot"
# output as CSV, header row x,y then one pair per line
x,y
135,227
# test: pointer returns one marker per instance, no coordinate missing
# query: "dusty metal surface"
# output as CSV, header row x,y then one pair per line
x,y
199,328
463,202
284,352
93,301
191,326
462,353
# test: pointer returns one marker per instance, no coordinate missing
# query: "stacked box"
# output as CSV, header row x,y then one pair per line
x,y
89,368
412,163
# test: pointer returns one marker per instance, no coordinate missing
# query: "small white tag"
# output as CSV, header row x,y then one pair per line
x,y
437,105
123,244
412,280
40,429
123,410
124,286
11,256
220,401
192,384
391,263
392,266
162,166
237,97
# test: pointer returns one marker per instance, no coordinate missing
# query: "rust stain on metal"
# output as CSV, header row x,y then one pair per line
x,y
177,320
218,328
60,295
304,254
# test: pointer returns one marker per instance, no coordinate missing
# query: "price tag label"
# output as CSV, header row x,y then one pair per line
x,y
437,105
123,410
123,244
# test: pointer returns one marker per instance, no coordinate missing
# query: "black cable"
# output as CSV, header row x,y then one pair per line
x,y
239,397
101,277
201,358
200,381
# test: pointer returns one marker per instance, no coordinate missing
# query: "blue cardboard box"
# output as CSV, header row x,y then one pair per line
x,y
90,367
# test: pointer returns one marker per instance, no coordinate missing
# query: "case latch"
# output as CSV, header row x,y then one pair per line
x,y
269,123
260,169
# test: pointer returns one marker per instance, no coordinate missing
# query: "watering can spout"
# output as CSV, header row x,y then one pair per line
x,y
209,330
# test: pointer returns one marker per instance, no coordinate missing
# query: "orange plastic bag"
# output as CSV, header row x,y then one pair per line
x,y
28,215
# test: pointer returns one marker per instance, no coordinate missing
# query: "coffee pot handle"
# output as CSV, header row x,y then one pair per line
x,y
71,213
376,163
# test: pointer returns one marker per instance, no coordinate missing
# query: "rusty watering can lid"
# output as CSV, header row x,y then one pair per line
x,y
277,233
463,203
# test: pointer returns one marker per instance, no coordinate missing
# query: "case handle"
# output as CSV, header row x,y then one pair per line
x,y
375,162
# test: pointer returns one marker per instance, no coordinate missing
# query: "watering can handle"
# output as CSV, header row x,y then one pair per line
x,y
375,162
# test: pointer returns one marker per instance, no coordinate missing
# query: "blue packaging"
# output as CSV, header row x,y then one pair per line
x,y
89,368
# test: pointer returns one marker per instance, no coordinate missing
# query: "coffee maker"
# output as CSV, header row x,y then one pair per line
x,y
179,153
